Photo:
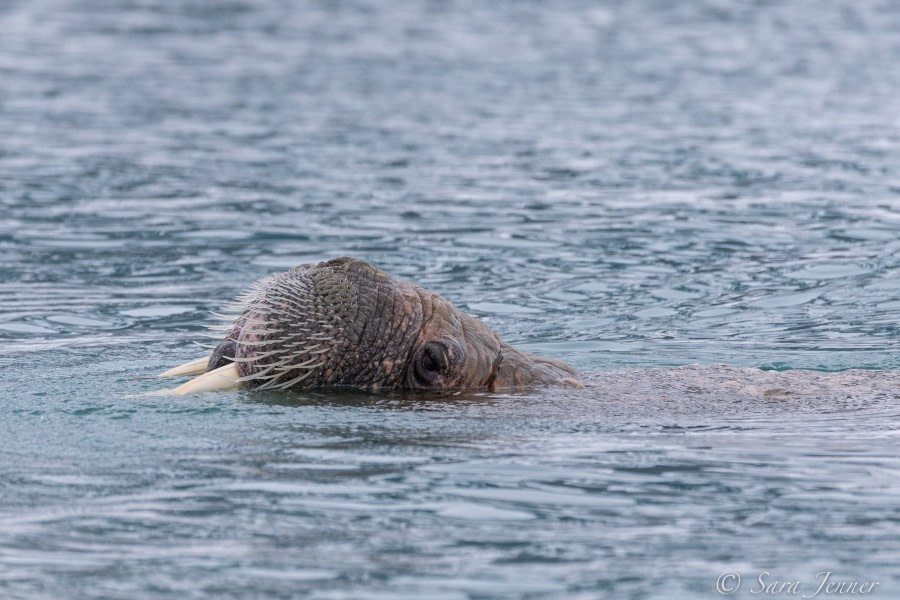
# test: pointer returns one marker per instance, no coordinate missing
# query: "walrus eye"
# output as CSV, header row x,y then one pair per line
x,y
432,361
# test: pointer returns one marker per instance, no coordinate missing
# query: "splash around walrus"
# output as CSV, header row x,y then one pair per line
x,y
345,322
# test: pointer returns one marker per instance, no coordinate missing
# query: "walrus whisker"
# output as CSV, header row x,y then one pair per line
x,y
273,384
260,374
306,365
262,331
258,377
205,346
283,367
244,359
226,317
298,379
296,344
256,343
254,357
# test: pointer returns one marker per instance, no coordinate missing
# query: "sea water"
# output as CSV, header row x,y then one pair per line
x,y
631,187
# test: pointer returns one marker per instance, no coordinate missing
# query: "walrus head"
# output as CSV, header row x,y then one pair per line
x,y
347,323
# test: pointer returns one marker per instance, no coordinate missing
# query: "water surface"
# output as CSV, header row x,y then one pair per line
x,y
630,187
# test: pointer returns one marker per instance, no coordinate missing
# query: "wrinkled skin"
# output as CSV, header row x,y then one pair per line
x,y
347,323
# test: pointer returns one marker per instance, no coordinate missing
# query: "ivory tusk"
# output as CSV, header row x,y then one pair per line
x,y
223,378
195,367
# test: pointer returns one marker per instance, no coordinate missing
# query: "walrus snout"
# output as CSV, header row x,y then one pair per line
x,y
346,323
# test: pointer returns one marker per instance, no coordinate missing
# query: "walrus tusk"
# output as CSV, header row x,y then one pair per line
x,y
223,378
195,367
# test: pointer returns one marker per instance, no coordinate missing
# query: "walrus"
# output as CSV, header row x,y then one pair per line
x,y
347,323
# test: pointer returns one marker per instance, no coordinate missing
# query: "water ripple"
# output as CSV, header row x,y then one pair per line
x,y
628,187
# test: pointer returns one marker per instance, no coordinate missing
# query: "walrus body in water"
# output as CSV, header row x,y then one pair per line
x,y
347,323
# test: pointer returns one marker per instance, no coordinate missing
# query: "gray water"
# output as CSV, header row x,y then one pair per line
x,y
627,186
